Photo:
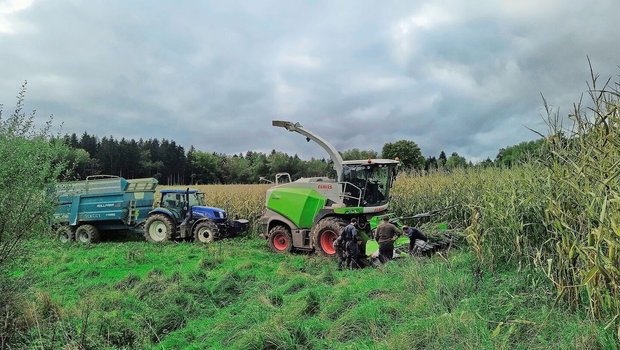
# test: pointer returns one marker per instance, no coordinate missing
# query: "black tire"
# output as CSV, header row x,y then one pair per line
x,y
65,234
280,239
206,232
324,235
158,228
87,234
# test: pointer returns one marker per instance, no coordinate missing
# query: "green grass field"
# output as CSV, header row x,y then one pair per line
x,y
235,294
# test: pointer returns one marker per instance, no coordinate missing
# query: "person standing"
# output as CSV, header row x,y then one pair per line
x,y
349,239
340,252
386,235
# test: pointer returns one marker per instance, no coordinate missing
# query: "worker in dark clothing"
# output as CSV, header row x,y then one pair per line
x,y
340,252
349,238
414,234
386,235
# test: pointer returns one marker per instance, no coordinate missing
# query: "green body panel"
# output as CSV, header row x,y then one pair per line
x,y
300,205
376,220
349,210
372,246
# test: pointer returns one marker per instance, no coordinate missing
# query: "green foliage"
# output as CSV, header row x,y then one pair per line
x,y
31,163
357,154
441,160
455,161
408,152
520,153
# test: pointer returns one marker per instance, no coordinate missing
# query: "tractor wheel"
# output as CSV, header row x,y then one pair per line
x,y
158,228
324,235
206,232
87,234
65,234
280,239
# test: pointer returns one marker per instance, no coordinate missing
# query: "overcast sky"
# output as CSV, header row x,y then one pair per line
x,y
459,76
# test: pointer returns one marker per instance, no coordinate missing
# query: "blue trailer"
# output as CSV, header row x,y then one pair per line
x,y
102,203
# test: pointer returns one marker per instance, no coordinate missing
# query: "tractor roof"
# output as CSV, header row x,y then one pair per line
x,y
370,161
178,191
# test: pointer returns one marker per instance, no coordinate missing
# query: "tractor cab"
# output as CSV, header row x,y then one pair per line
x,y
367,183
178,202
174,199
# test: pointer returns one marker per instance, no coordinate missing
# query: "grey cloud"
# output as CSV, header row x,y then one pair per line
x,y
463,77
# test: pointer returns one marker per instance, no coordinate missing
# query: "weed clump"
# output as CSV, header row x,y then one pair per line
x,y
228,289
294,286
276,299
209,262
130,281
313,304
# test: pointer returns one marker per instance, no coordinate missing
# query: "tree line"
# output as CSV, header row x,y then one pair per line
x,y
171,164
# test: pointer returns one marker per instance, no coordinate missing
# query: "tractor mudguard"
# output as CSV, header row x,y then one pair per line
x,y
167,212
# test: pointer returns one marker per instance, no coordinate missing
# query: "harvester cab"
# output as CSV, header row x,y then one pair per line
x,y
183,214
310,213
368,183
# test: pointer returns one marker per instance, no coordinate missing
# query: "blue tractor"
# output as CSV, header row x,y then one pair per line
x,y
182,214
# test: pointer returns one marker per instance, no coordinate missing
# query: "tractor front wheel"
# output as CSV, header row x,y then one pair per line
x,y
65,234
158,228
324,235
280,239
206,232
87,234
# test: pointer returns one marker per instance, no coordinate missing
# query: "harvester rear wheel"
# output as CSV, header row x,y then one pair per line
x,y
324,235
87,234
206,232
65,234
158,228
280,239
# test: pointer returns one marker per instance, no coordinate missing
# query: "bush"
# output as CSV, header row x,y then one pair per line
x,y
31,163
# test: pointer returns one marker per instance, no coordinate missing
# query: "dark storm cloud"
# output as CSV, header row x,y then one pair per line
x,y
449,75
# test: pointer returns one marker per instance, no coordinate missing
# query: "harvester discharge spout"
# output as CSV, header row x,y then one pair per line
x,y
331,150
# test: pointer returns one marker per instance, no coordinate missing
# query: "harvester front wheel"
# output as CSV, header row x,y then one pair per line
x,y
280,239
206,232
65,234
324,235
87,234
158,228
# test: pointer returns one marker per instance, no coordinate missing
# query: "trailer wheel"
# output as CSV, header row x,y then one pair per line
x,y
158,228
324,235
206,232
87,234
65,234
280,239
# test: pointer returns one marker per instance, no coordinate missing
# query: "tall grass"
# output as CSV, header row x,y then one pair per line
x,y
583,214
559,213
